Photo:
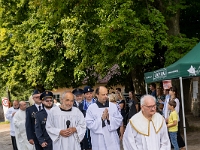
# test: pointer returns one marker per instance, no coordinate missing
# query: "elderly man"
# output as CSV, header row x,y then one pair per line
x,y
30,120
147,129
9,115
40,121
103,119
20,131
66,124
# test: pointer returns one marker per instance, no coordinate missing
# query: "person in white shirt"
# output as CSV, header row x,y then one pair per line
x,y
66,124
56,102
103,119
20,131
147,129
9,115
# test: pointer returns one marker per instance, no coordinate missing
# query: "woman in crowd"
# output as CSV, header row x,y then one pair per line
x,y
112,99
160,100
133,105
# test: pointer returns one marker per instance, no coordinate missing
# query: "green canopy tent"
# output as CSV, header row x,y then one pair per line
x,y
187,66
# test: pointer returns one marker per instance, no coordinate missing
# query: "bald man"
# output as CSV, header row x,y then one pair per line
x,y
9,115
66,124
103,119
20,131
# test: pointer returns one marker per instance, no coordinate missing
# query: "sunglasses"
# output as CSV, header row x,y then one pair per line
x,y
48,101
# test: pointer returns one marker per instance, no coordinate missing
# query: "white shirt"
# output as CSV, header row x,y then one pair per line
x,y
56,121
142,134
104,138
9,116
37,106
20,131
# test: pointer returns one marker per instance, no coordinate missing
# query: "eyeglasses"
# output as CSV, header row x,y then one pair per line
x,y
48,101
150,107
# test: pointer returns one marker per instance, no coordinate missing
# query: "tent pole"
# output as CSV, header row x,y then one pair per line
x,y
146,88
183,111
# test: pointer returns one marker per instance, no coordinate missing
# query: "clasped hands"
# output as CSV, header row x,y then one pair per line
x,y
105,115
67,132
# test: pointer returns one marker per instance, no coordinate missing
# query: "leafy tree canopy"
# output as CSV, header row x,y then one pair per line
x,y
49,43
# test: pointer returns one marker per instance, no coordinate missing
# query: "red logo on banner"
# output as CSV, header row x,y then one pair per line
x,y
5,102
167,84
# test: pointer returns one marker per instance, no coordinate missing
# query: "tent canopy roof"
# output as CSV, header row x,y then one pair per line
x,y
187,66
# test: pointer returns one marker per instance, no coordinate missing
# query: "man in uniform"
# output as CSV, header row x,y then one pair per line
x,y
40,121
88,94
78,97
30,120
9,115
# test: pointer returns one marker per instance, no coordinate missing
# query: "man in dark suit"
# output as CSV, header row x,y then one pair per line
x,y
78,97
88,100
30,120
40,121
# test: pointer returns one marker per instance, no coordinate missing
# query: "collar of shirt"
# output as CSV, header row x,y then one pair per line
x,y
86,104
37,106
100,105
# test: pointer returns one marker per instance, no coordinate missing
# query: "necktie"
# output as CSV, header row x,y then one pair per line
x,y
39,108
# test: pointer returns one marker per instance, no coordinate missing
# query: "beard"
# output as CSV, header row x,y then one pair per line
x,y
47,106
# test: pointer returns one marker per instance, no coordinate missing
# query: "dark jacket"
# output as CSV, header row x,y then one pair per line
x,y
40,129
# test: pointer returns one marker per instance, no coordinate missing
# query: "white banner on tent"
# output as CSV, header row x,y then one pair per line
x,y
167,84
5,103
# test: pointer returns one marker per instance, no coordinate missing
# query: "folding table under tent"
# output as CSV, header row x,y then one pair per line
x,y
187,66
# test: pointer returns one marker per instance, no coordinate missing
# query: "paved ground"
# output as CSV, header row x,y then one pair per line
x,y
193,139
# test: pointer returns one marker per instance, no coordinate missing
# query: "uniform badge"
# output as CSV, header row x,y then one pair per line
x,y
33,114
46,92
45,119
88,90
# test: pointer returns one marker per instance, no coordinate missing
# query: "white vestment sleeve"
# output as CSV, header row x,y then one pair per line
x,y
9,114
129,138
164,141
53,132
18,122
81,127
115,120
93,123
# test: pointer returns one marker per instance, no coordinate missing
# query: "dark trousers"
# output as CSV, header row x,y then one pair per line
x,y
38,147
14,143
49,145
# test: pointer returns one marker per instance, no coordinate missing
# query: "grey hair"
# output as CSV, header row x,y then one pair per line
x,y
145,97
63,95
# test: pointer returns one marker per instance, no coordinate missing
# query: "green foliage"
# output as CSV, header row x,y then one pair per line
x,y
49,43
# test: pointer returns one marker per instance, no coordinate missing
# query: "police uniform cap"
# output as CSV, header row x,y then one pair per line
x,y
46,94
36,92
87,89
77,91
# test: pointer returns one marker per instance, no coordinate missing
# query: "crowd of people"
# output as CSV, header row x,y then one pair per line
x,y
97,120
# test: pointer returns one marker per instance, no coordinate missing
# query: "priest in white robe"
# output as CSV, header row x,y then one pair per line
x,y
147,129
20,131
66,124
103,119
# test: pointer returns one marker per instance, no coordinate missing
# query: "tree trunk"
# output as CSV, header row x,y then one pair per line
x,y
138,80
